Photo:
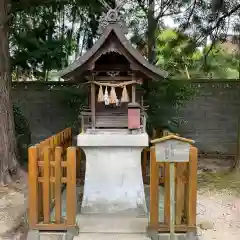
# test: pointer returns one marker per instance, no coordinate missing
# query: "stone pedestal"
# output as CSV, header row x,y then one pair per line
x,y
113,179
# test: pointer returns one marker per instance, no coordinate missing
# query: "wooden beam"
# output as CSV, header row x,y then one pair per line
x,y
93,107
116,78
133,93
133,89
182,228
52,227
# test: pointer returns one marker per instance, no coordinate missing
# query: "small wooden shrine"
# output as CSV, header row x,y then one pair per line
x,y
113,68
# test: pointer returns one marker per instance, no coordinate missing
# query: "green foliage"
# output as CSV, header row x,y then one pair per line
x,y
221,64
180,55
177,53
165,97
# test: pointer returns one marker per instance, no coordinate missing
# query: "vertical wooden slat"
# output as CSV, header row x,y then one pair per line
x,y
71,185
192,187
33,186
40,185
58,205
51,156
167,195
46,186
153,190
180,191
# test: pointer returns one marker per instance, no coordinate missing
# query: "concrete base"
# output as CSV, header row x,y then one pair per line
x,y
111,236
111,224
33,235
113,178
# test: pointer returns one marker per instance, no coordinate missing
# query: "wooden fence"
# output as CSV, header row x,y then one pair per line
x,y
185,195
52,169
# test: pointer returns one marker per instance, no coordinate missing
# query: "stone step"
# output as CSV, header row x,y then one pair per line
x,y
110,236
111,224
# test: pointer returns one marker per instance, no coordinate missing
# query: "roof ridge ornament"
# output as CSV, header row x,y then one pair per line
x,y
112,17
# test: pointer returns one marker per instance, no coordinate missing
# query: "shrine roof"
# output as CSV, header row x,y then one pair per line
x,y
115,28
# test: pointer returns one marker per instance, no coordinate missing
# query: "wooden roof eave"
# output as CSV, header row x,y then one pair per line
x,y
72,68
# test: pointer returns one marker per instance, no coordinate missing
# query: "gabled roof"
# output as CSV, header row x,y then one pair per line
x,y
65,73
172,136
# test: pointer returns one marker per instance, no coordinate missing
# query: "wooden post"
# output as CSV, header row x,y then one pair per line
x,y
192,188
181,169
167,194
71,186
153,190
82,124
58,173
172,200
33,186
46,186
133,93
93,107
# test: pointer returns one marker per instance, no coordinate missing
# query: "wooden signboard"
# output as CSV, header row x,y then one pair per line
x,y
172,149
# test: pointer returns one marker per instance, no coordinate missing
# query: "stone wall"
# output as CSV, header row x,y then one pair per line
x,y
45,107
211,117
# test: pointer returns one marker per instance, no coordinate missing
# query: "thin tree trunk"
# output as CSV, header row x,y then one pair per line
x,y
70,36
8,148
78,40
236,164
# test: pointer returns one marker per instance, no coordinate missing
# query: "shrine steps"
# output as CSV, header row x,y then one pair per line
x,y
111,224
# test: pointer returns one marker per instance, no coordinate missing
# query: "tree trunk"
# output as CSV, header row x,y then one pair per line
x,y
8,148
152,27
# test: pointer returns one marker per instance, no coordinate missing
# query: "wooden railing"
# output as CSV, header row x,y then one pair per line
x,y
52,169
185,197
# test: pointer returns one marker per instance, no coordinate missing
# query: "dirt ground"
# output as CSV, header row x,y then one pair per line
x,y
13,205
222,209
218,200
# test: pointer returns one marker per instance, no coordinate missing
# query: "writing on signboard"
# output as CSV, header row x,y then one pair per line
x,y
172,151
